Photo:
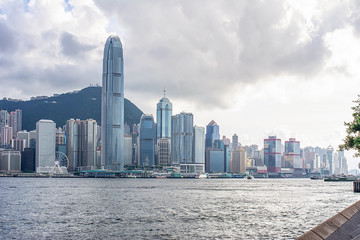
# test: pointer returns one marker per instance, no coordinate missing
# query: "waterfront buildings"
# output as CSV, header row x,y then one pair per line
x,y
182,138
127,150
164,153
112,105
147,139
45,145
292,154
81,143
10,161
272,154
235,160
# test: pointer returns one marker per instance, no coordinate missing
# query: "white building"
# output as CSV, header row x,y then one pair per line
x,y
45,145
199,145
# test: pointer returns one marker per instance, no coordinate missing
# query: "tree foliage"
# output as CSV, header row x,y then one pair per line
x,y
352,140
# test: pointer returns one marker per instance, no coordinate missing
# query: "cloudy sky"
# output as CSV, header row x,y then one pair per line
x,y
257,68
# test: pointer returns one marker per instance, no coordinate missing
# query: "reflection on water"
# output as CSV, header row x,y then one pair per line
x,y
167,208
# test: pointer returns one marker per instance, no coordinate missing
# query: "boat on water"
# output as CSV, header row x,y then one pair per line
x,y
160,177
249,177
340,178
201,176
316,177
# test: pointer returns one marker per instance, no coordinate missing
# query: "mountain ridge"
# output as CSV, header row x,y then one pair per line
x,y
82,104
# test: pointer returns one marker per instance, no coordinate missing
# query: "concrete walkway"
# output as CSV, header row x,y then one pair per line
x,y
344,225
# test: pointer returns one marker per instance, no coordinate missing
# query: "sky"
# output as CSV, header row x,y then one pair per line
x,y
257,68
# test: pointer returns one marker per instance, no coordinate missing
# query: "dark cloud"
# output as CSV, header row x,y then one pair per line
x,y
71,46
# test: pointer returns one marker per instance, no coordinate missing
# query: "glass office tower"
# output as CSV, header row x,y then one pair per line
x,y
112,105
163,118
272,154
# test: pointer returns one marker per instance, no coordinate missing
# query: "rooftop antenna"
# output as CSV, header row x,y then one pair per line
x,y
164,93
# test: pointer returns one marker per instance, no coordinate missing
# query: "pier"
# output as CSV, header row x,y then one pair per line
x,y
344,225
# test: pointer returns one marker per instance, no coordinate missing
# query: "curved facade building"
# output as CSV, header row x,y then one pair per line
x,y
163,118
112,105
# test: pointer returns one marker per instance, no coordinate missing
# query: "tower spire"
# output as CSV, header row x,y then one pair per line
x,y
164,93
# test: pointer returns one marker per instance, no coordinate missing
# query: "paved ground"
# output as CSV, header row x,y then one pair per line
x,y
344,225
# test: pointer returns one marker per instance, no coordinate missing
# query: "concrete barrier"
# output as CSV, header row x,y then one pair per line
x,y
344,225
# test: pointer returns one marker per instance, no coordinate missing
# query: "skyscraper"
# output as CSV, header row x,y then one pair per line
x,y
45,145
212,134
292,153
16,121
163,118
112,105
164,157
147,138
235,141
199,145
330,158
182,138
272,154
81,143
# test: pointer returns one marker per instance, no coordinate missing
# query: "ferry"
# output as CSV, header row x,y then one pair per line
x,y
201,176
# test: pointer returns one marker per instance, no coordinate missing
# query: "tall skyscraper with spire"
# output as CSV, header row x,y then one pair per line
x,y
112,105
163,118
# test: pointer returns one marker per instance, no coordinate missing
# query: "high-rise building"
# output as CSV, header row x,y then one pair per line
x,y
4,121
272,154
330,158
235,141
163,118
147,139
10,161
6,135
199,145
32,139
112,105
72,143
212,133
243,160
235,160
24,135
164,154
81,140
88,143
292,153
128,150
182,138
45,145
16,121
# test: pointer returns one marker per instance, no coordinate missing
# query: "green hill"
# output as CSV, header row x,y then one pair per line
x,y
83,104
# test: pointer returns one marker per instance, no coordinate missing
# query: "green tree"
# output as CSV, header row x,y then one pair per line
x,y
352,140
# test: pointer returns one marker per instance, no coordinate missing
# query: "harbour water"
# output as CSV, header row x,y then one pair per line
x,y
84,208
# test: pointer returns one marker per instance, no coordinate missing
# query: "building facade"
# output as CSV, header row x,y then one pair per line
x,y
112,105
163,118
147,140
199,145
272,154
182,138
45,145
292,154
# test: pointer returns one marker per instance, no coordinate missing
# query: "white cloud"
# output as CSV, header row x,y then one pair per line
x,y
253,66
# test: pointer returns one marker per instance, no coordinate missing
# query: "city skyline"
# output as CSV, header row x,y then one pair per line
x,y
290,72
